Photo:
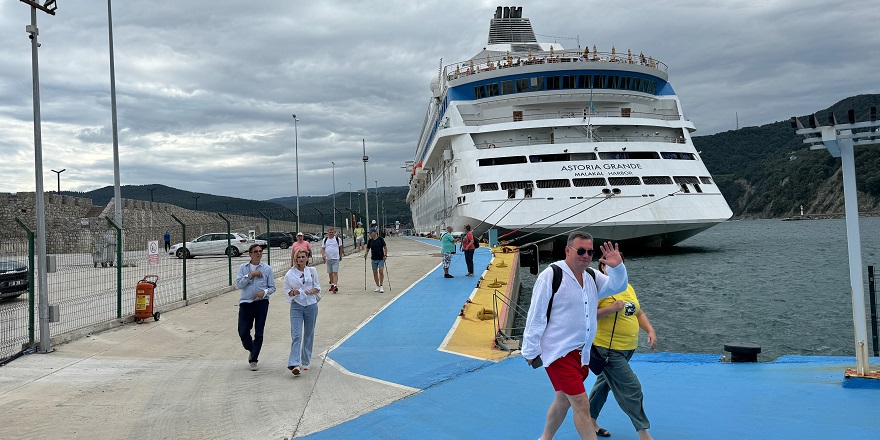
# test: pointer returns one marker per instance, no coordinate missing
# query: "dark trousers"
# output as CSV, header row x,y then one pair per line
x,y
469,260
252,315
167,246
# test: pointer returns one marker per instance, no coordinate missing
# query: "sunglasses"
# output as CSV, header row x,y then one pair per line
x,y
582,251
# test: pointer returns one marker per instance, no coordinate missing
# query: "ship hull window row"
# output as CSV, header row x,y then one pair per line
x,y
565,82
575,157
590,182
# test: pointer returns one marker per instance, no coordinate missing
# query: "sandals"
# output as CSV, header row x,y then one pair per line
x,y
602,432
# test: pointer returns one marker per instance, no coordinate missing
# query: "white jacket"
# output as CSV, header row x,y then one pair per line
x,y
572,323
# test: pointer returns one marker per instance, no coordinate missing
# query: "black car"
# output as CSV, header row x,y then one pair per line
x,y
13,279
279,239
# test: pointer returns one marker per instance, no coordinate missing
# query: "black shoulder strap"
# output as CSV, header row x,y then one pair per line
x,y
557,281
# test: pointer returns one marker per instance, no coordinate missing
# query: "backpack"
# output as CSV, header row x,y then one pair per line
x,y
324,243
557,281
476,242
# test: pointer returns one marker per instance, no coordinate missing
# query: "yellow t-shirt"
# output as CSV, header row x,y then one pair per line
x,y
626,333
359,232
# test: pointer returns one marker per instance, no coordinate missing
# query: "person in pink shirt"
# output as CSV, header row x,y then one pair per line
x,y
300,243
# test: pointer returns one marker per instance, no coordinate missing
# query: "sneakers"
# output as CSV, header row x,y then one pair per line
x,y
294,369
254,366
448,276
333,288
377,289
305,367
381,289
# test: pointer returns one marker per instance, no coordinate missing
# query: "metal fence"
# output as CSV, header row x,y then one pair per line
x,y
93,271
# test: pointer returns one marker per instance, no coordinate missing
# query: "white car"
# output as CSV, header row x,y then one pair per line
x,y
233,244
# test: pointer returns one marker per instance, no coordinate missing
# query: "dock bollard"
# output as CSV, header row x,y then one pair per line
x,y
743,352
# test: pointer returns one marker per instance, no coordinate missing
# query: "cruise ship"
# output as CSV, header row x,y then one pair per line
x,y
537,140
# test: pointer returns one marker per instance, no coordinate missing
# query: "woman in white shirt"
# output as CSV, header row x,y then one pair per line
x,y
302,287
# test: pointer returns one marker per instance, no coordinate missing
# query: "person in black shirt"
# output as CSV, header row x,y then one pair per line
x,y
378,251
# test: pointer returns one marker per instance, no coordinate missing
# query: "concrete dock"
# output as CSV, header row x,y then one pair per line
x,y
386,377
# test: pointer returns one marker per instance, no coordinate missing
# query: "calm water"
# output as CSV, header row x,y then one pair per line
x,y
781,285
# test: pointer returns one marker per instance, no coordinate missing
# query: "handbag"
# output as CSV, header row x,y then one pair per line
x,y
597,362
320,293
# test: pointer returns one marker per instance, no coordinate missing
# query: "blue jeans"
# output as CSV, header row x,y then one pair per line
x,y
252,315
302,333
469,260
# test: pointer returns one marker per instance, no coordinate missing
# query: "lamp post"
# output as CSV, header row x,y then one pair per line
x,y
334,193
117,191
58,173
197,202
366,186
296,157
151,192
378,220
349,196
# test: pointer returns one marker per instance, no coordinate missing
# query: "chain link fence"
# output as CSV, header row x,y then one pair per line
x,y
93,267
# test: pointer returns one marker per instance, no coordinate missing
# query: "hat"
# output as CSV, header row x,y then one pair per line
x,y
372,230
299,233
373,222
359,223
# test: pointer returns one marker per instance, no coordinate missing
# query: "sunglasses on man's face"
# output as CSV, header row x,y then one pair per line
x,y
582,251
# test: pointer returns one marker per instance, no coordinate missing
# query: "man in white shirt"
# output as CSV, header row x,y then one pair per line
x,y
331,252
563,342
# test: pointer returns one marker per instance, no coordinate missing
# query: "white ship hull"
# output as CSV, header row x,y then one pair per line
x,y
540,146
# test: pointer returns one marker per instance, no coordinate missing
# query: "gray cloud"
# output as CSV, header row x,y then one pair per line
x,y
206,89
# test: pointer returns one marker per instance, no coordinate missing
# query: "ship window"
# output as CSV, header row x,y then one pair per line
x,y
598,81
685,179
537,83
522,85
583,81
677,155
553,82
569,82
553,183
516,184
621,181
635,84
507,160
507,87
491,186
613,82
592,181
479,92
706,180
623,155
468,188
492,89
561,157
656,180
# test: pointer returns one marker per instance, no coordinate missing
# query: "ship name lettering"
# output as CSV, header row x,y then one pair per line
x,y
622,166
586,167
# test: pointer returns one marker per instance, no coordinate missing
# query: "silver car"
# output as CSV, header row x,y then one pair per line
x,y
216,243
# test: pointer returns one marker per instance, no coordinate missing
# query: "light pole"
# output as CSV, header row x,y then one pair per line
x,y
349,196
334,193
378,220
366,187
296,156
58,173
151,192
197,202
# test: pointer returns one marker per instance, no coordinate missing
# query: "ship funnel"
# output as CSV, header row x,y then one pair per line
x,y
508,27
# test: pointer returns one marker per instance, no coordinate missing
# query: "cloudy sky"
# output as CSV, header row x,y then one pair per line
x,y
206,88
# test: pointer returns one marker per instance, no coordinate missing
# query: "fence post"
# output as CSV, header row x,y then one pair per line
x,y
30,234
118,266
322,221
872,294
228,245
268,240
185,252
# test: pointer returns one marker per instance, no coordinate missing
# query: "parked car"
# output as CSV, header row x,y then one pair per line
x,y
216,244
278,239
308,236
13,279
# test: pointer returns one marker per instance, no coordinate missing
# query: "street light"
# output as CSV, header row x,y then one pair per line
x,y
378,220
296,154
197,202
334,194
151,192
58,173
349,196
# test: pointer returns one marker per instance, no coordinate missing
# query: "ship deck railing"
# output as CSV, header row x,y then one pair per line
x,y
597,138
505,61
583,116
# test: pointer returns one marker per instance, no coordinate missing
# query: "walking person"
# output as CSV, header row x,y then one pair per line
x,y
331,253
378,251
562,342
447,248
302,287
467,247
359,236
257,283
300,243
620,317
167,238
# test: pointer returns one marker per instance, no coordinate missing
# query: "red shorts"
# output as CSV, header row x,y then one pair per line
x,y
567,375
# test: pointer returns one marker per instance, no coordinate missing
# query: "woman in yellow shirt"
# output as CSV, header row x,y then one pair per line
x,y
617,337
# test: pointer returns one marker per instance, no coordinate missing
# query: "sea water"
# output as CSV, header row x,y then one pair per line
x,y
783,285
